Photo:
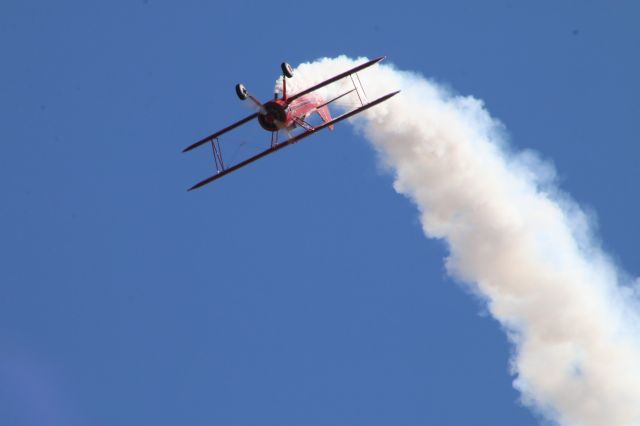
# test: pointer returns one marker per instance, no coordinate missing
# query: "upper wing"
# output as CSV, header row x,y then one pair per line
x,y
292,140
336,78
221,132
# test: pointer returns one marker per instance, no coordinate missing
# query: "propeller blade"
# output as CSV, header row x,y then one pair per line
x,y
257,103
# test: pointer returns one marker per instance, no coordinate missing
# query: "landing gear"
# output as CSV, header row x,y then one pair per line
x,y
287,71
241,91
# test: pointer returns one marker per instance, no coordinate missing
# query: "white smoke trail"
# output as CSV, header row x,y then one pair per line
x,y
521,244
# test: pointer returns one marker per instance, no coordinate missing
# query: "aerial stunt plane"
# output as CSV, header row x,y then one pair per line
x,y
288,113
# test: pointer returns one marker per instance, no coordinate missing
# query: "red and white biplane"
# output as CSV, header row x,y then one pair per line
x,y
288,113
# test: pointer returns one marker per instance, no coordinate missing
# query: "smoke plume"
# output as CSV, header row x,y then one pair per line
x,y
518,242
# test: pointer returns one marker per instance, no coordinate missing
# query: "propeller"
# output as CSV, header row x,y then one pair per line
x,y
244,94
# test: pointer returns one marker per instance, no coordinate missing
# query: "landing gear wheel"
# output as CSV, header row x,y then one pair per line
x,y
287,70
241,91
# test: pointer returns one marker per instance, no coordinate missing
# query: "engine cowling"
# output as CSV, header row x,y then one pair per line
x,y
274,116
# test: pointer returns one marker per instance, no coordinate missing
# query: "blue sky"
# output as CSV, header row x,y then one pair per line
x,y
301,290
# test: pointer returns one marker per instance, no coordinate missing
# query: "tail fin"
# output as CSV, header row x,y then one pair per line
x,y
324,113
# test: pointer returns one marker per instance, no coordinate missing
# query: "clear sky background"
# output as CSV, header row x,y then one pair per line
x,y
301,290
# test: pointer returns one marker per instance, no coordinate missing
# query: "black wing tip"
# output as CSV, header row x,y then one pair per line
x,y
386,97
198,185
206,181
391,95
190,147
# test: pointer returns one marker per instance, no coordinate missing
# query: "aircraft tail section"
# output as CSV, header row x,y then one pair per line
x,y
324,113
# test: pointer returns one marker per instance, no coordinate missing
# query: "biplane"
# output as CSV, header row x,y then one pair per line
x,y
286,114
